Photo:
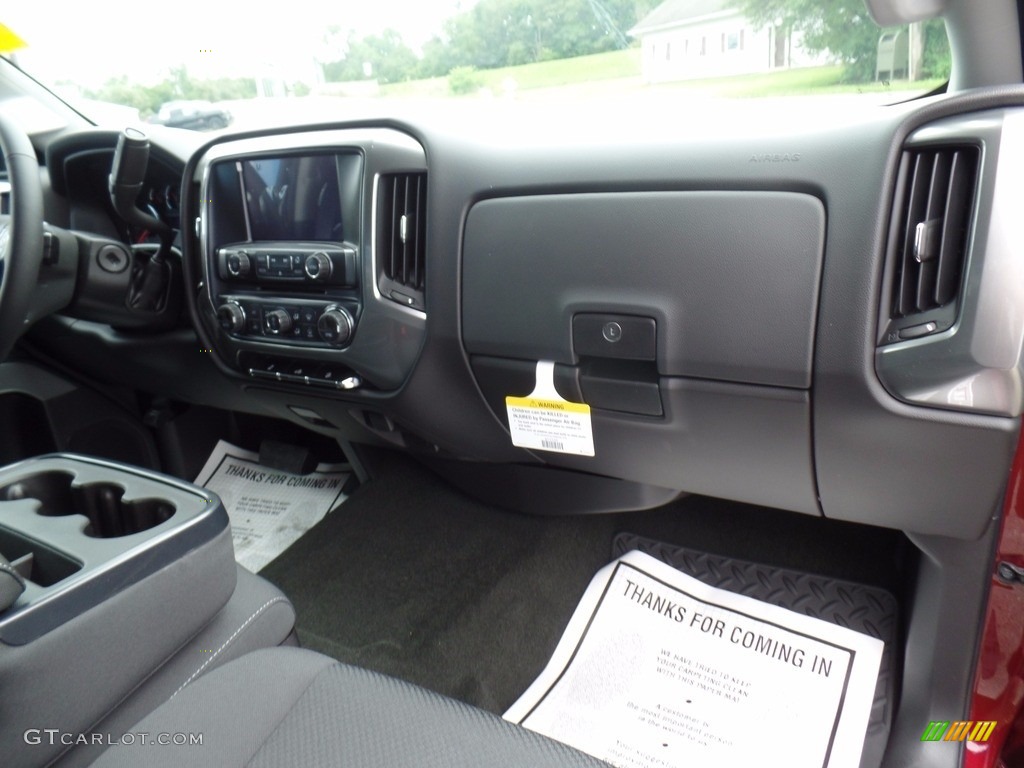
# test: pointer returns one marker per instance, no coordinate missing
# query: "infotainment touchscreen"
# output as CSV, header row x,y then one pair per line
x,y
292,198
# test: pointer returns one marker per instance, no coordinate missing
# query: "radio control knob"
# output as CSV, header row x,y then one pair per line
x,y
231,317
239,264
336,326
277,322
318,266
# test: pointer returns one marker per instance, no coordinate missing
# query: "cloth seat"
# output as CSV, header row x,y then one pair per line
x,y
257,616
289,706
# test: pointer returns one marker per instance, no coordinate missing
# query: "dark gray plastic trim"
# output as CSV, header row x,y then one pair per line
x,y
940,650
731,278
109,565
764,432
984,38
881,461
978,364
537,490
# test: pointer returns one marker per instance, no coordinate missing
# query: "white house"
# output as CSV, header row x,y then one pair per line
x,y
686,39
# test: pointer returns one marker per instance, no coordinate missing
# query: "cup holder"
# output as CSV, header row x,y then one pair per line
x,y
51,489
109,515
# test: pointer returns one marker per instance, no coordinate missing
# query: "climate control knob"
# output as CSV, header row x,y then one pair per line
x,y
238,264
318,266
336,326
277,322
231,317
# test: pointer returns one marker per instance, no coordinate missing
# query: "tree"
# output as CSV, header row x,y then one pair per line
x,y
936,59
842,28
176,85
384,57
501,33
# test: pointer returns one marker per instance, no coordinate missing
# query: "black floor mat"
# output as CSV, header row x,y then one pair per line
x,y
421,582
870,610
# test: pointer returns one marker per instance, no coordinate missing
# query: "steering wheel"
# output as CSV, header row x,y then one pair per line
x,y
21,234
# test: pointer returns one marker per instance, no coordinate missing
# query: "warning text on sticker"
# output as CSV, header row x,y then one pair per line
x,y
550,425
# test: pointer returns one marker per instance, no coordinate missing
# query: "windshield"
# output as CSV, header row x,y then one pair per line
x,y
206,66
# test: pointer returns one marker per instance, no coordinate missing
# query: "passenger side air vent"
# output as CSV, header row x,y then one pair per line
x,y
928,237
401,237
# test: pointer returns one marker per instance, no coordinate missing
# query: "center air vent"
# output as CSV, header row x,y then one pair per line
x,y
928,240
401,237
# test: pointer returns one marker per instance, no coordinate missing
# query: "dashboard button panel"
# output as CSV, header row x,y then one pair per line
x,y
289,263
306,372
300,322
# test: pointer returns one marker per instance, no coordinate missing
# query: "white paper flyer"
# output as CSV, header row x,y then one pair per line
x,y
269,509
658,669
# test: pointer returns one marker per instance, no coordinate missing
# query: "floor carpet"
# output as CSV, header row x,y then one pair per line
x,y
417,580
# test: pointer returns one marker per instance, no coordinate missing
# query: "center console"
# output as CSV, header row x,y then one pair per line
x,y
121,568
292,269
309,249
124,581
78,529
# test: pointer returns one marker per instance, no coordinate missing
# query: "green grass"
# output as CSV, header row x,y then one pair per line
x,y
548,74
619,71
793,82
780,83
543,74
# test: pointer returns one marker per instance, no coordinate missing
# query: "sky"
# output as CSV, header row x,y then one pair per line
x,y
212,38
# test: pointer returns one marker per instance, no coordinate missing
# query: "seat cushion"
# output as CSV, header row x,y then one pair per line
x,y
256,616
288,706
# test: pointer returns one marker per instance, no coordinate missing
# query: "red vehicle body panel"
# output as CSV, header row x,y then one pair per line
x,y
999,678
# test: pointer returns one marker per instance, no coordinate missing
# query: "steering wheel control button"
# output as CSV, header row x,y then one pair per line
x,y
113,259
336,326
612,332
318,266
51,249
238,264
277,322
231,317
623,337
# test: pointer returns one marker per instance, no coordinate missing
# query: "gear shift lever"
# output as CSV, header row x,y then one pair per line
x,y
127,175
150,277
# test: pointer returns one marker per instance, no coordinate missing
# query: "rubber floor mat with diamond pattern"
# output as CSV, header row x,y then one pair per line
x,y
862,608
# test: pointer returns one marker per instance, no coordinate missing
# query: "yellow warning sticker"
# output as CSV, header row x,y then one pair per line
x,y
544,421
554,405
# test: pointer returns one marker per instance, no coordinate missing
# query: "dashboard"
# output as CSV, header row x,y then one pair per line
x,y
821,313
